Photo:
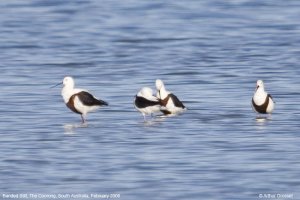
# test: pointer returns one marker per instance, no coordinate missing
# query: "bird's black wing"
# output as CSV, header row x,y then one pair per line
x,y
261,108
176,101
89,100
271,97
142,102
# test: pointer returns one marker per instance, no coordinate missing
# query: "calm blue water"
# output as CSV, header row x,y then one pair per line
x,y
209,53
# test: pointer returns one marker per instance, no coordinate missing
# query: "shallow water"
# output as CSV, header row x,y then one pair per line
x,y
209,53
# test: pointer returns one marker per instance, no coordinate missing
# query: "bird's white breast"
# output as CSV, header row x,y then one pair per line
x,y
68,92
83,108
259,97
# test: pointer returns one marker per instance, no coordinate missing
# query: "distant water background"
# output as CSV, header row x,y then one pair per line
x,y
209,53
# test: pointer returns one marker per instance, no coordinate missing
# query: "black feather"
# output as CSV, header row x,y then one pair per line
x,y
176,101
89,100
142,102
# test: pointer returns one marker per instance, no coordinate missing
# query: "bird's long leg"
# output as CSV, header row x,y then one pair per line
x,y
144,117
82,119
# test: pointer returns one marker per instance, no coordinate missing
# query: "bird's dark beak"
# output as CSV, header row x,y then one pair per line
x,y
257,87
56,85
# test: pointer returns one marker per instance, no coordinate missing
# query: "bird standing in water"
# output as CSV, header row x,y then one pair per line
x,y
262,102
171,104
79,101
146,103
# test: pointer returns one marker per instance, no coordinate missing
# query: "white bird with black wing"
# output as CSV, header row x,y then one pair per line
x,y
262,102
79,101
169,102
146,103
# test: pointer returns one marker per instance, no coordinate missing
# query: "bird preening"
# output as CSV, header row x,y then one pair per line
x,y
170,102
165,101
146,103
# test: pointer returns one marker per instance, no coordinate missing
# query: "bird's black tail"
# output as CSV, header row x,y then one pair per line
x,y
101,102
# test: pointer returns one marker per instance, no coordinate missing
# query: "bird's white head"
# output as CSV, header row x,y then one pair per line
x,y
68,82
68,89
260,85
159,84
146,92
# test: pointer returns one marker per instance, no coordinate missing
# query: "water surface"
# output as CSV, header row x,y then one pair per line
x,y
209,53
